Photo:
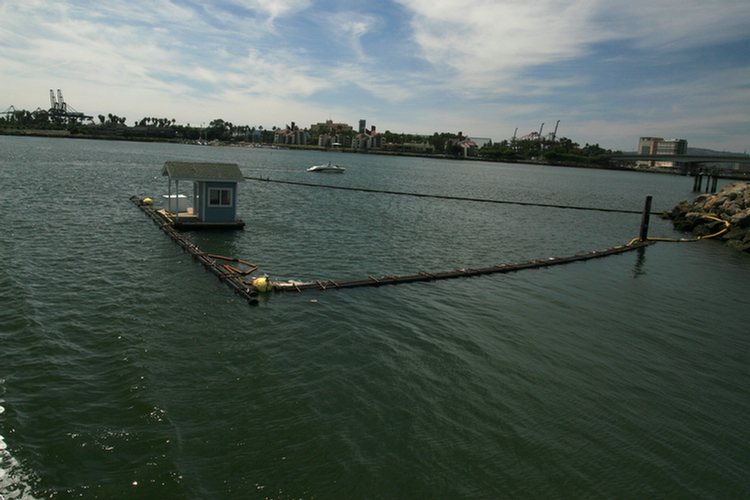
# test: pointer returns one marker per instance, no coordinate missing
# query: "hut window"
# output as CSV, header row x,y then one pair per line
x,y
219,197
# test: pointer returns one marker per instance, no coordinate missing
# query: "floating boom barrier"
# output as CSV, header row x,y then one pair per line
x,y
458,273
248,290
231,275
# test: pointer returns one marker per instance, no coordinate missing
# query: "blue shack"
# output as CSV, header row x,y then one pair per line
x,y
214,195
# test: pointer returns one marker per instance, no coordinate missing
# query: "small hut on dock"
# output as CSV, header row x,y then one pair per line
x,y
214,195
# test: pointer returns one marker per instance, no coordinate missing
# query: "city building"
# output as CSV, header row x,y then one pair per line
x,y
369,139
466,147
659,146
290,135
329,126
339,140
647,145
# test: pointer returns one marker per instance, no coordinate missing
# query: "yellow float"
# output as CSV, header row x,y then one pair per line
x,y
262,285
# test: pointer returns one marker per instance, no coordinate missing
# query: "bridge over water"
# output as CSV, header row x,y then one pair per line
x,y
688,158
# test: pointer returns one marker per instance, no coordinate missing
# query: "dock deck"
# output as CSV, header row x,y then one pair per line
x,y
187,221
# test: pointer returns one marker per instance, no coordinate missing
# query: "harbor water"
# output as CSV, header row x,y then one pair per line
x,y
127,371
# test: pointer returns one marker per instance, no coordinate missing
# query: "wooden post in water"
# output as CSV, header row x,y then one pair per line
x,y
645,219
697,182
714,180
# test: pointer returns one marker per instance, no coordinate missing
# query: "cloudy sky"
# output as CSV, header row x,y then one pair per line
x,y
609,70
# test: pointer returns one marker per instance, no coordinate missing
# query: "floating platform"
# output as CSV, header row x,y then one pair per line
x,y
187,221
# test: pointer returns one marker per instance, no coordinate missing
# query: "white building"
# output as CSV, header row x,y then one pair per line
x,y
369,139
659,146
290,135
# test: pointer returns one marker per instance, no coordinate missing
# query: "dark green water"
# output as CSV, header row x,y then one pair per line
x,y
129,372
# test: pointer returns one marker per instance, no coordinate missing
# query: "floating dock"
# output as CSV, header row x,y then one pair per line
x,y
187,221
183,223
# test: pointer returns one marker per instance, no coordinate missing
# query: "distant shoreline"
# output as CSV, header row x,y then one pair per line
x,y
65,134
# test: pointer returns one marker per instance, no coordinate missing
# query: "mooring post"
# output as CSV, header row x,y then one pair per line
x,y
645,219
698,182
714,181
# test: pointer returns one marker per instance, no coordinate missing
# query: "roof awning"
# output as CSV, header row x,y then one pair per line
x,y
197,171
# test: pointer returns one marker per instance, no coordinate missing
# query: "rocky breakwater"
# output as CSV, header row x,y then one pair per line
x,y
731,204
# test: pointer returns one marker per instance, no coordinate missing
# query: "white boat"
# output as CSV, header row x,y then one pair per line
x,y
327,168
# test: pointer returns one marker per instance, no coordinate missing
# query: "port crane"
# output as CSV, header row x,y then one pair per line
x,y
60,108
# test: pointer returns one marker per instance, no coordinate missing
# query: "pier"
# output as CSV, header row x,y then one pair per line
x,y
711,180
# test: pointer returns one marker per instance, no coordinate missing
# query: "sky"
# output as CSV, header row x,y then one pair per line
x,y
610,71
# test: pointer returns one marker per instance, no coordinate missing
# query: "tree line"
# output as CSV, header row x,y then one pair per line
x,y
166,128
114,125
562,150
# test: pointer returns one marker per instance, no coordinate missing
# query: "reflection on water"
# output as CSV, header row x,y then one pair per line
x,y
638,268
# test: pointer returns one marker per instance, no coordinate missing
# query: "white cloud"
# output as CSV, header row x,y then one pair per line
x,y
487,43
348,28
483,67
275,75
274,8
382,88
156,55
670,25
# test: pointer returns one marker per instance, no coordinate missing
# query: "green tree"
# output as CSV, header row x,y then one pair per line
x,y
218,129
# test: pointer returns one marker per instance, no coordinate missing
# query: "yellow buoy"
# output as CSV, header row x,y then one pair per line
x,y
148,201
262,284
